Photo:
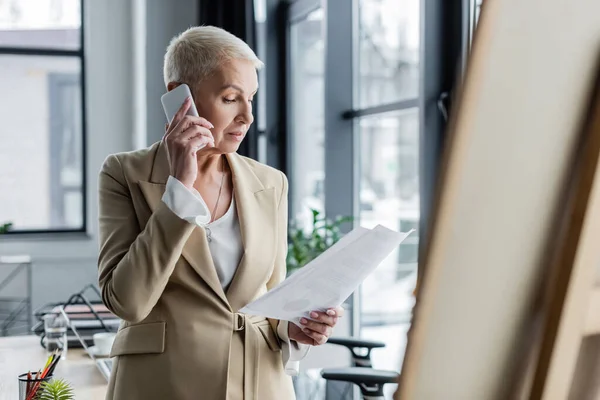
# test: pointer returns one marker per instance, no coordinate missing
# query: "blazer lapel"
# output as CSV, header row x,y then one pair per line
x,y
257,209
196,250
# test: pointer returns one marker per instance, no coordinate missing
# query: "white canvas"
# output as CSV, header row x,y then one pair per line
x,y
526,90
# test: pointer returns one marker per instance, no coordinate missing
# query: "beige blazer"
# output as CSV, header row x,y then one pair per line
x,y
182,337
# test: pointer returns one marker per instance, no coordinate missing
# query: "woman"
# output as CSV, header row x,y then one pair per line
x,y
188,237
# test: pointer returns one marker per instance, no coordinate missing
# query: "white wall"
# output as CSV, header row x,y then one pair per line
x,y
164,19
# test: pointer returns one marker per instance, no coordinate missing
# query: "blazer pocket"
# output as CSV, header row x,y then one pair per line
x,y
147,338
270,336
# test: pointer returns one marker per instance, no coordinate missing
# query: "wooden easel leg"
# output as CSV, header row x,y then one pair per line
x,y
573,268
586,377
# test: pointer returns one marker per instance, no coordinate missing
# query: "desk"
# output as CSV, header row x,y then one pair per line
x,y
18,354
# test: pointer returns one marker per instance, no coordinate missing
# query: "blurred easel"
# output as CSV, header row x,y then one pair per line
x,y
563,350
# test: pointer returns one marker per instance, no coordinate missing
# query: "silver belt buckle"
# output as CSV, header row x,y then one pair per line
x,y
239,322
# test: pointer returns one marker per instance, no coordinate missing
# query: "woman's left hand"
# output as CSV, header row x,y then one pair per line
x,y
315,332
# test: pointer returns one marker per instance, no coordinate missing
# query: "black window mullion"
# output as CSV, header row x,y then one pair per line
x,y
30,51
442,43
380,109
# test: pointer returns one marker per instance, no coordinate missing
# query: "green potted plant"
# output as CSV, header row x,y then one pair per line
x,y
5,227
55,389
305,244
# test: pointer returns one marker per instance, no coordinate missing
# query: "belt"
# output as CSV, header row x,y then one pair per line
x,y
249,323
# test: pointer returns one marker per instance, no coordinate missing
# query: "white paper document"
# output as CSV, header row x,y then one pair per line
x,y
329,279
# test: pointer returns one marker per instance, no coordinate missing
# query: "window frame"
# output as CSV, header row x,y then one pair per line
x,y
444,43
69,53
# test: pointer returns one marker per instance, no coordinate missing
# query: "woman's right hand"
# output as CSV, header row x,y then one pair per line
x,y
184,137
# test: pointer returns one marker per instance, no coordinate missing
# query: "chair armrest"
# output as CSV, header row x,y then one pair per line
x,y
355,342
369,380
360,349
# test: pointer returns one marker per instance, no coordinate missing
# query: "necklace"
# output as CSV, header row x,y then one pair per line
x,y
208,232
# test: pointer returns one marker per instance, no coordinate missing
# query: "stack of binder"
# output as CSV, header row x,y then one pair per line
x,y
85,312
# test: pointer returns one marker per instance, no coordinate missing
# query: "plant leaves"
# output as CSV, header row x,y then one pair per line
x,y
56,389
304,244
5,227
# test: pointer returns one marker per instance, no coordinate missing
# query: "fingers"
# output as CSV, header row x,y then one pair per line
x,y
329,318
323,318
191,139
189,120
196,143
318,338
318,327
313,337
337,312
191,132
181,112
181,122
306,339
310,332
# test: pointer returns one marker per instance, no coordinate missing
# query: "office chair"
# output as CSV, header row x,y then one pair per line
x,y
370,381
361,359
353,344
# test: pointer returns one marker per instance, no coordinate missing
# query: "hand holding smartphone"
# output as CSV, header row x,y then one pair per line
x,y
186,134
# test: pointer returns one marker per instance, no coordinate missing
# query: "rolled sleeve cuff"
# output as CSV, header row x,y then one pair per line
x,y
186,203
292,352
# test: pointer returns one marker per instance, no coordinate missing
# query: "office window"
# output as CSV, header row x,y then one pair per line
x,y
42,137
387,124
389,195
388,45
369,122
260,19
48,24
307,134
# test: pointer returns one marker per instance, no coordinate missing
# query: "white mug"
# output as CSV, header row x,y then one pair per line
x,y
103,342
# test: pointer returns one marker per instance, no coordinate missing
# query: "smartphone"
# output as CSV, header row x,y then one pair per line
x,y
173,100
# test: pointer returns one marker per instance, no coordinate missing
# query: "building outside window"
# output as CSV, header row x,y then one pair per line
x,y
42,138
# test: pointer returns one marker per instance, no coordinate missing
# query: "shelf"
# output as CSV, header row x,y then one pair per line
x,y
16,314
13,299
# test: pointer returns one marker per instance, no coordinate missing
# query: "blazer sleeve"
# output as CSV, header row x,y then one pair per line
x,y
134,265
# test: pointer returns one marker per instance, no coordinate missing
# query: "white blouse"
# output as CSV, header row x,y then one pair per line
x,y
225,243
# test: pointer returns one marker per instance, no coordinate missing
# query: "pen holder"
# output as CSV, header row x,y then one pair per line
x,y
27,385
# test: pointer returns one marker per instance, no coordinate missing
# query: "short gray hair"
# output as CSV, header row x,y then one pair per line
x,y
199,51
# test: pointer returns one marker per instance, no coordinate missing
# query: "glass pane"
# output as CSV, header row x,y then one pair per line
x,y
307,119
389,195
388,51
40,23
40,143
260,11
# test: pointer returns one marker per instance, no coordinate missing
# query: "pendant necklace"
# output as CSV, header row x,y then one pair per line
x,y
208,232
